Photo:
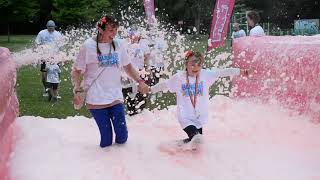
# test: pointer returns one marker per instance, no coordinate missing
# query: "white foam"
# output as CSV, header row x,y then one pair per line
x,y
242,140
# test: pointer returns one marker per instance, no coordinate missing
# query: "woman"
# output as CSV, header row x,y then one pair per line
x,y
253,19
99,62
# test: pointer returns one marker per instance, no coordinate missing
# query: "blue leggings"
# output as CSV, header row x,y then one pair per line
x,y
104,117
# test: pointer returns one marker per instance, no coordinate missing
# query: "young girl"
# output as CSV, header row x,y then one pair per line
x,y
192,91
53,80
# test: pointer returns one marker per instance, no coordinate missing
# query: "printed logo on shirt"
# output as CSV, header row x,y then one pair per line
x,y
109,60
49,39
185,89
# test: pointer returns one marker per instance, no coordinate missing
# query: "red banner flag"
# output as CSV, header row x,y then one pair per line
x,y
149,10
219,26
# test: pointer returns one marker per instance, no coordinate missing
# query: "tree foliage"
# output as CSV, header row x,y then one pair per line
x,y
19,11
73,12
193,13
284,12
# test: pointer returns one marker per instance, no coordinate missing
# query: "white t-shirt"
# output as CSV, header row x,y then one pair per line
x,y
45,37
51,42
107,88
157,52
238,34
53,71
187,115
136,52
257,31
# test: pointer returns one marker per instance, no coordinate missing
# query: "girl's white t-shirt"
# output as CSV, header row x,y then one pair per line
x,y
257,31
107,88
45,37
187,114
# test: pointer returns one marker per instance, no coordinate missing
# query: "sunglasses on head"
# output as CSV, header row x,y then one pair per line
x,y
194,61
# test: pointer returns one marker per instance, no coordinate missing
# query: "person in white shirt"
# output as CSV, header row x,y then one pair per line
x,y
139,54
52,38
192,92
157,46
99,63
237,32
253,19
53,80
137,49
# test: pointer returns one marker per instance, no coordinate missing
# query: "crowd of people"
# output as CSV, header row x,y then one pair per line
x,y
110,76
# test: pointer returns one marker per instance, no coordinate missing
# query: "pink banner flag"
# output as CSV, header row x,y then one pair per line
x,y
219,26
149,10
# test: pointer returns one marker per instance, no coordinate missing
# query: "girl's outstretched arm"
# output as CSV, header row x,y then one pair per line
x,y
230,72
172,84
162,86
226,72
213,74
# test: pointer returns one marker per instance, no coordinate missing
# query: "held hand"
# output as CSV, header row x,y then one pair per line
x,y
143,88
77,89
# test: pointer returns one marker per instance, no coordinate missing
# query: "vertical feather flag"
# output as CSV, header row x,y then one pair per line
x,y
220,21
149,10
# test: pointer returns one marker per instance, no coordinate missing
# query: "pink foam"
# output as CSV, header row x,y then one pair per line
x,y
8,110
287,70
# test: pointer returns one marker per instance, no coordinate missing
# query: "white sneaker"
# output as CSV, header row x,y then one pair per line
x,y
58,97
45,94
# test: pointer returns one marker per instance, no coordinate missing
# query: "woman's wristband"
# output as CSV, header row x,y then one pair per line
x,y
78,90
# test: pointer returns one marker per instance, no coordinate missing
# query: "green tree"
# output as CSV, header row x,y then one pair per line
x,y
18,11
73,12
283,12
46,8
193,13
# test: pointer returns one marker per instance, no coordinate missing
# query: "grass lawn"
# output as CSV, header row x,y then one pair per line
x,y
29,86
17,42
32,103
